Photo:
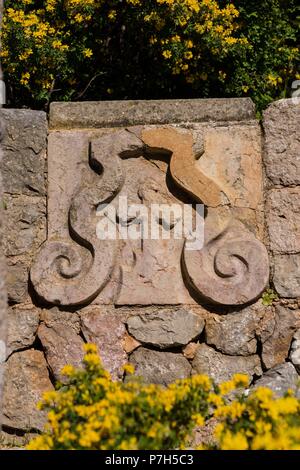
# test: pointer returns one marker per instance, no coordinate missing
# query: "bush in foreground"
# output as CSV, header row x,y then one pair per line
x,y
94,413
148,49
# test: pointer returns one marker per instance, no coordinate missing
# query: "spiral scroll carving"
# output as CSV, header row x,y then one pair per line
x,y
231,269
74,271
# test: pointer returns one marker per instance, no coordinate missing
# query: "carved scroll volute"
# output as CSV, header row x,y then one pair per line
x,y
74,271
233,267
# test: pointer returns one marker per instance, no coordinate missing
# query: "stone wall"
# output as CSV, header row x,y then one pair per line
x,y
166,309
3,298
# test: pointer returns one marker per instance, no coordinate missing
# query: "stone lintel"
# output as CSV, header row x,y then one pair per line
x,y
99,114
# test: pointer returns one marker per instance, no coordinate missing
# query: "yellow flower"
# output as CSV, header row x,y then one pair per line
x,y
112,14
198,419
167,54
227,387
79,18
87,52
25,78
68,370
240,380
129,369
188,55
90,348
232,441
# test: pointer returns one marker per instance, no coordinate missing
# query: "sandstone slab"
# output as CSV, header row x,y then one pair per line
x,y
286,277
159,367
283,220
62,344
105,327
236,333
24,152
166,328
275,349
280,379
232,160
282,143
26,379
130,113
221,367
23,323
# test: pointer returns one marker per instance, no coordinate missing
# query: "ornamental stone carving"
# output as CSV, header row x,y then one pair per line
x,y
149,165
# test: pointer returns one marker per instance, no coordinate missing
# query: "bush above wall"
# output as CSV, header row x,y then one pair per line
x,y
141,49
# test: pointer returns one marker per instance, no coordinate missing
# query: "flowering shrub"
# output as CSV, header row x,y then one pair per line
x,y
92,412
259,422
102,49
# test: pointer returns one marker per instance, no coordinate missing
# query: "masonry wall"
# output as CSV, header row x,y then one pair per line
x,y
168,321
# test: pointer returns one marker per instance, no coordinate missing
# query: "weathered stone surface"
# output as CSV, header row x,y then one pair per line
x,y
295,351
17,280
282,144
183,163
3,299
26,379
280,379
232,159
166,328
221,367
23,323
105,327
159,367
25,225
189,351
276,348
129,113
236,333
231,269
59,335
286,276
129,343
283,220
24,151
151,272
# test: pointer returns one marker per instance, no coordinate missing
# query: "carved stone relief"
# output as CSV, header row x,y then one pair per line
x,y
150,165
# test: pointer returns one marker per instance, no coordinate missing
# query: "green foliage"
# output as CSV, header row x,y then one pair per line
x,y
268,297
148,49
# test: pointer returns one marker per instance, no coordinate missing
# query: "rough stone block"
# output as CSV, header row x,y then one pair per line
x,y
280,379
283,220
276,348
236,333
25,225
105,327
159,367
24,152
295,351
166,328
62,344
26,379
221,367
282,143
286,277
23,323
